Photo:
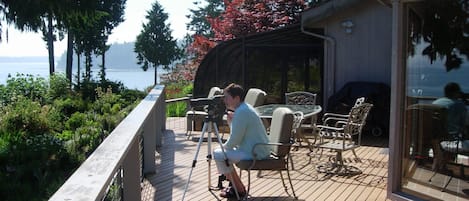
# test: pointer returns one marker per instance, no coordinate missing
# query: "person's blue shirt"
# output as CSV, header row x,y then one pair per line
x,y
456,114
246,131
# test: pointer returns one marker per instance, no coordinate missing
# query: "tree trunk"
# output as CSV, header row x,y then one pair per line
x,y
103,68
88,61
156,75
78,70
68,68
50,44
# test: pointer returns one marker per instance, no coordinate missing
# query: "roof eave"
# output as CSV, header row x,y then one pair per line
x,y
325,10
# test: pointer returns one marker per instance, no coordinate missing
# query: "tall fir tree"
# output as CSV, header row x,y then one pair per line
x,y
199,24
154,45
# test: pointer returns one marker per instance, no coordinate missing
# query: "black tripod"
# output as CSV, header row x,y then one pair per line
x,y
209,124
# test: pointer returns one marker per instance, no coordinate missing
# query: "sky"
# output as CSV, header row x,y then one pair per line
x,y
31,44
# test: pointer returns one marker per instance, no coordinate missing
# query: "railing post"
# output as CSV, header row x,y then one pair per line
x,y
131,172
163,108
149,143
160,120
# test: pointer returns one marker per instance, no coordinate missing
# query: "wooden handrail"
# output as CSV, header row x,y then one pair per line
x,y
121,150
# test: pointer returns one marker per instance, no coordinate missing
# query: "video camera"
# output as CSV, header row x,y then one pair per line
x,y
214,106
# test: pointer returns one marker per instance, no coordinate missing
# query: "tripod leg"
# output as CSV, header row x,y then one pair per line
x,y
209,154
195,159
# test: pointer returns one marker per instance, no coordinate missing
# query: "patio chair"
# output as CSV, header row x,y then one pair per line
x,y
426,126
343,136
255,97
193,115
297,119
300,98
341,117
450,149
279,141
299,116
308,124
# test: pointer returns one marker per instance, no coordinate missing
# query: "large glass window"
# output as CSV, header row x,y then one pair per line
x,y
435,141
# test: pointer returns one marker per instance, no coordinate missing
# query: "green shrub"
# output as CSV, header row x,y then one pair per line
x,y
23,85
188,89
177,90
106,100
88,88
176,109
87,138
82,135
130,96
59,87
75,121
25,116
69,105
29,163
47,129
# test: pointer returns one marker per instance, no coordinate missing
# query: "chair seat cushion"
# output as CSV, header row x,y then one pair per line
x,y
268,164
455,146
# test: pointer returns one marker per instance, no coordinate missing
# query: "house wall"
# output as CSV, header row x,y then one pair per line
x,y
363,54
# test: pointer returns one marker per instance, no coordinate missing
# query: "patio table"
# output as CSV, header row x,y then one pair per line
x,y
266,111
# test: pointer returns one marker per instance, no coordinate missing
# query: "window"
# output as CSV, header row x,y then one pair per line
x,y
437,54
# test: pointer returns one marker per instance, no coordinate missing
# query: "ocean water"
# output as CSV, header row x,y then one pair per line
x,y
430,81
131,78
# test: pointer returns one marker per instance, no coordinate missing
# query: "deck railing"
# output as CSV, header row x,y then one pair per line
x,y
121,153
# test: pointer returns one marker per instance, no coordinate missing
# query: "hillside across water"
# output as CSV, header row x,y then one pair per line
x,y
119,56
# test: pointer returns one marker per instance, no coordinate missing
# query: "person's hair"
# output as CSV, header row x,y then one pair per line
x,y
452,89
235,90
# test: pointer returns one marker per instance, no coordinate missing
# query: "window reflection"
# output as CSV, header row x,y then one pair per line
x,y
437,54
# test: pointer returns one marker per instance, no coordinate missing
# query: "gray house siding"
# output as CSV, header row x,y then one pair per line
x,y
363,54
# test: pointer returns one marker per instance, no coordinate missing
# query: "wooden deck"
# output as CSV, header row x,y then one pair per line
x,y
174,161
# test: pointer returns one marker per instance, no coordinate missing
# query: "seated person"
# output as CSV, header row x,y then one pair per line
x,y
246,130
456,109
456,117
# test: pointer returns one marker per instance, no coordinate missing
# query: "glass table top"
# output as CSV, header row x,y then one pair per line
x,y
266,111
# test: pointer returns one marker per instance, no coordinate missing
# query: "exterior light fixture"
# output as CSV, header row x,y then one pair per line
x,y
347,25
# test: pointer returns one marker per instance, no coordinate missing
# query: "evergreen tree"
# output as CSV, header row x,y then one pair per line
x,y
154,45
115,15
45,16
198,17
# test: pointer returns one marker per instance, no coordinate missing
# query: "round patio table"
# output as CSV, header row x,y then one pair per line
x,y
266,111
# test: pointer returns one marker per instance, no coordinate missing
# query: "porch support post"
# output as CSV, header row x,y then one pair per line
x,y
397,97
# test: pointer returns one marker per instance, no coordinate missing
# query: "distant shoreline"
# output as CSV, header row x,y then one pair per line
x,y
25,59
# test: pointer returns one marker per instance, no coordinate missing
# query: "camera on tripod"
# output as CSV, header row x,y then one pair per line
x,y
214,106
215,109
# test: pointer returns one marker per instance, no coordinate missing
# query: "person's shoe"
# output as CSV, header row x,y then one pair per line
x,y
226,189
229,192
